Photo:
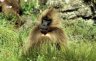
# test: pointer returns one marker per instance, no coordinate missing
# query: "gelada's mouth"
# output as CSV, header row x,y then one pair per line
x,y
44,32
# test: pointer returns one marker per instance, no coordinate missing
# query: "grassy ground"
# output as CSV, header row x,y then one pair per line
x,y
81,41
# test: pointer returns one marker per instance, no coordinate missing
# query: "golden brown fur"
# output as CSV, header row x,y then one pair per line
x,y
56,35
12,8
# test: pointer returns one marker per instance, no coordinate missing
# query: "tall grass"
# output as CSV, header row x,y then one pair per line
x,y
81,41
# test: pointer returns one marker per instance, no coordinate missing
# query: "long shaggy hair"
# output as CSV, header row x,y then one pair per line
x,y
54,34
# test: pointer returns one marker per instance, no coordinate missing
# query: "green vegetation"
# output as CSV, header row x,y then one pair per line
x,y
81,41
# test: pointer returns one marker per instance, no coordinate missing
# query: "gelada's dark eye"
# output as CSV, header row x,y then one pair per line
x,y
46,18
47,21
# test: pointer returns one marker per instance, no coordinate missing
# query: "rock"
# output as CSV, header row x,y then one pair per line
x,y
55,3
